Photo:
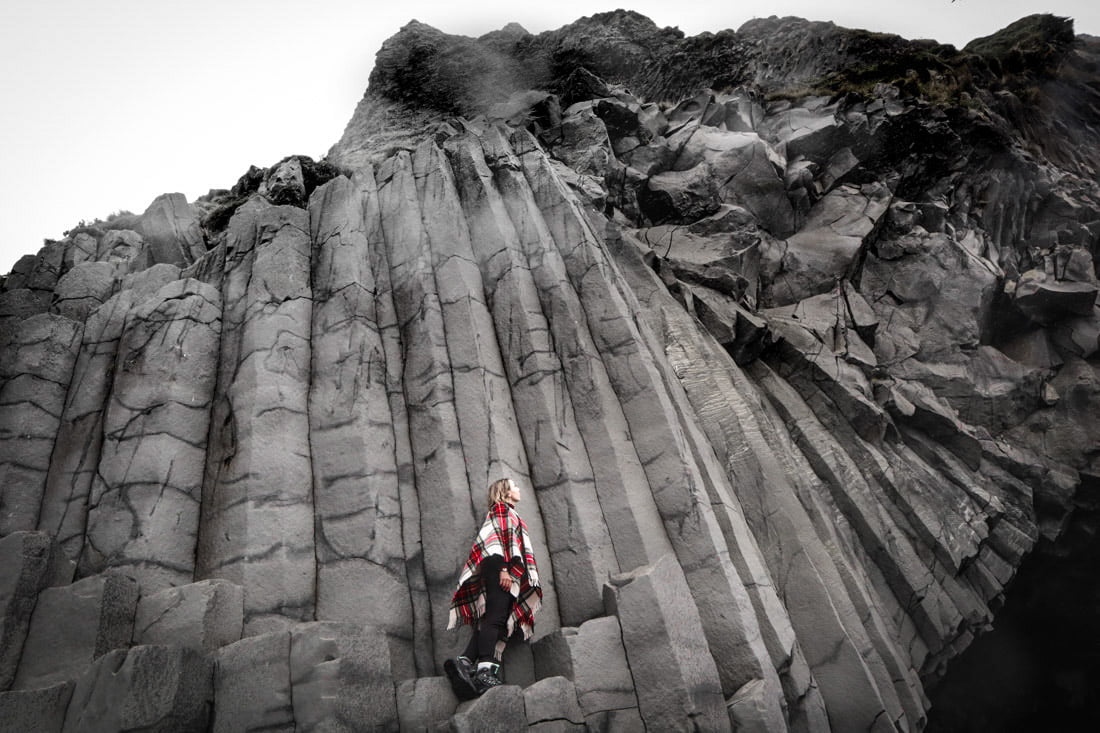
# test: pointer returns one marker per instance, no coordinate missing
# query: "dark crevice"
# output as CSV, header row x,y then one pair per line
x,y
1039,667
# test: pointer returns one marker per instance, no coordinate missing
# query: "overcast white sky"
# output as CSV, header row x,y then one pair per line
x,y
105,104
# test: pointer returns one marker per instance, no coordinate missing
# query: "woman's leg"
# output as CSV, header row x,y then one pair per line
x,y
493,625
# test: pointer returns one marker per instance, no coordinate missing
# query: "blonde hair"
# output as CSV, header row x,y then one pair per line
x,y
498,490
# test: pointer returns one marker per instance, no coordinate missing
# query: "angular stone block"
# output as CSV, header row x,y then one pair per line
x,y
41,710
206,616
674,673
319,676
162,688
500,710
252,685
73,625
125,248
341,678
552,699
422,703
593,657
83,289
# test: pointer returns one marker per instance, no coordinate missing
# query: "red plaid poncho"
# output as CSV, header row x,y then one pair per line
x,y
504,533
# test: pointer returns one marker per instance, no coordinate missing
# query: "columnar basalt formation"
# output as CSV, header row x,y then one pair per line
x,y
791,360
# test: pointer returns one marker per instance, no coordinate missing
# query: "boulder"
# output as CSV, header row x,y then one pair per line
x,y
743,170
1046,300
145,283
73,625
126,249
679,196
935,295
161,688
83,289
285,184
81,247
827,247
808,129
674,673
205,616
581,141
172,230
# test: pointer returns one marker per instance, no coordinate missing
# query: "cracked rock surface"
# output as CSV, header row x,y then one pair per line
x,y
796,381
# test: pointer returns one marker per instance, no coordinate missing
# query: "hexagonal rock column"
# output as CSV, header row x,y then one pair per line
x,y
257,502
145,497
36,365
79,439
75,624
577,538
317,676
161,688
361,573
674,673
30,562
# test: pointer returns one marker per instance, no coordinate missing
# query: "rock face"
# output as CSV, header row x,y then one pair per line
x,y
796,381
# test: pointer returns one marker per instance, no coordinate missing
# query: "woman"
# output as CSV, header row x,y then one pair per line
x,y
498,590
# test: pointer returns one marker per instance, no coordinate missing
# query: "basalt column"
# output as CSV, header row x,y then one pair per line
x,y
144,503
577,539
361,573
257,512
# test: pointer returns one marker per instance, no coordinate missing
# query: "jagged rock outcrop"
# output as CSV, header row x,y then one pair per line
x,y
787,330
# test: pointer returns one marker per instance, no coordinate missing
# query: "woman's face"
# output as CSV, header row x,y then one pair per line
x,y
513,496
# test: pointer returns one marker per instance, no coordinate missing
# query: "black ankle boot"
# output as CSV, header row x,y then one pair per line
x,y
460,671
487,678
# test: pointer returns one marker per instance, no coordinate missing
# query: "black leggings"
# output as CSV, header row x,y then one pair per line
x,y
493,624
